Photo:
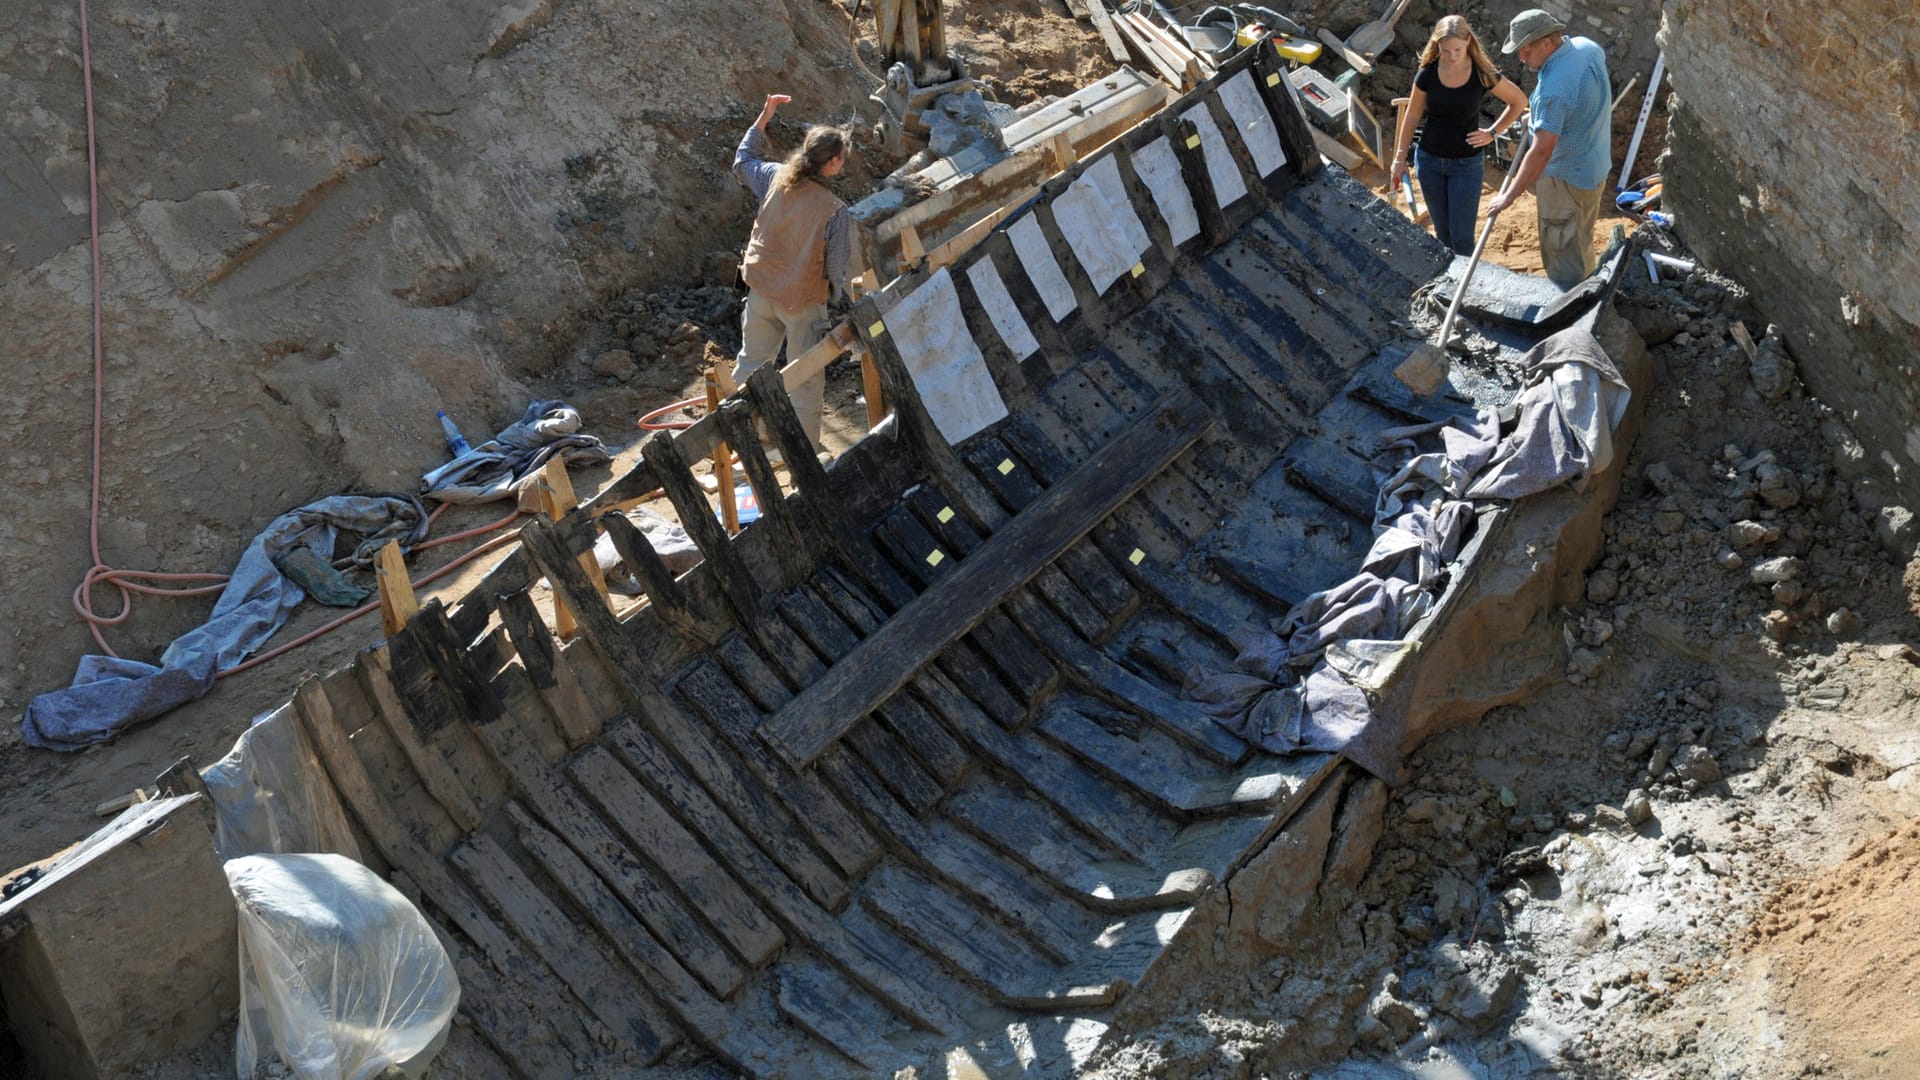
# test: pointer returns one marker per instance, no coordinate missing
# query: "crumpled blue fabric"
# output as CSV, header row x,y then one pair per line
x,y
110,694
501,466
1280,694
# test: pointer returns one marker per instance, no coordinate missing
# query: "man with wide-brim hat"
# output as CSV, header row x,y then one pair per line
x,y
1571,115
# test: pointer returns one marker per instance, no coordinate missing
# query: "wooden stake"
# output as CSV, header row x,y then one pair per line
x,y
723,467
397,603
1103,22
1061,154
557,493
912,251
870,386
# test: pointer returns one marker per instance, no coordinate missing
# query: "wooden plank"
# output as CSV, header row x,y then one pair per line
x,y
656,902
1093,669
1031,833
792,551
653,830
904,776
549,671
519,1029
452,666
1124,825
698,1014
665,594
824,1004
965,864
405,852
939,617
696,516
713,696
1149,51
971,944
726,813
921,734
616,1001
436,775
1157,771
803,918
397,602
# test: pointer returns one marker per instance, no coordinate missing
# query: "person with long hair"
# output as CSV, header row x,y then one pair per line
x,y
1455,77
796,258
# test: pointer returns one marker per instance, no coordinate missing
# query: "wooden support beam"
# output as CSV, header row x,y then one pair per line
x,y
397,602
723,466
912,251
871,389
883,663
1103,22
557,499
696,516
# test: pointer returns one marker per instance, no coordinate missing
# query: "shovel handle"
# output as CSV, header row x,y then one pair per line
x,y
1486,233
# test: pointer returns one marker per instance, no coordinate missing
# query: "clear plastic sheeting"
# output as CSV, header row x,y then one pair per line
x,y
270,795
338,972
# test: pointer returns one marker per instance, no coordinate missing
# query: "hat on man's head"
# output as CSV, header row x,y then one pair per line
x,y
1530,26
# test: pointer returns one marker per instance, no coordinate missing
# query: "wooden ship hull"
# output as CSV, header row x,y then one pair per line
x,y
901,775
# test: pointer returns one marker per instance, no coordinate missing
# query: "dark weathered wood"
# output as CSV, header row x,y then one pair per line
x,y
385,765
666,595
1193,169
937,619
549,671
436,775
612,996
782,858
823,1003
1296,135
747,787
698,1013
705,687
1121,823
653,830
446,654
911,963
1093,669
794,550
529,979
696,516
641,886
519,1029
1031,833
1159,772
971,944
962,863
428,703
1322,471
904,776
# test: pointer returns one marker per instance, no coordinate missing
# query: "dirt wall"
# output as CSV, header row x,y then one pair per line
x,y
1795,126
319,222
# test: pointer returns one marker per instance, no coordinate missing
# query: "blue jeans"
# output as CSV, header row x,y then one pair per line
x,y
1451,187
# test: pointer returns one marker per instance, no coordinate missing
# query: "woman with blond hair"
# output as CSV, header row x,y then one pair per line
x,y
1451,86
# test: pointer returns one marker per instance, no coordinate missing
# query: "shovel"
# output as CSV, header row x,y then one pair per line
x,y
1425,368
1378,34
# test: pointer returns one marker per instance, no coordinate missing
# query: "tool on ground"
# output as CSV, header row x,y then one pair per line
x,y
1425,368
1355,60
1373,38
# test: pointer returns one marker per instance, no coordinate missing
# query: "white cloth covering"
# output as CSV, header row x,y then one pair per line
x,y
998,303
1097,219
1222,173
1036,258
1255,123
1159,168
931,333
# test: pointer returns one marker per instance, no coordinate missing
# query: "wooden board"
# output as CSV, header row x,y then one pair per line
x,y
938,618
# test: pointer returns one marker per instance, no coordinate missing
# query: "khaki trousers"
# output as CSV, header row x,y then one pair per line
x,y
764,325
1567,215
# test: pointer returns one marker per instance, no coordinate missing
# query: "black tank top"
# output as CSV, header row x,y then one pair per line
x,y
1452,112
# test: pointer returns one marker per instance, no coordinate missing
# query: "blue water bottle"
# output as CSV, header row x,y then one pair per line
x,y
456,442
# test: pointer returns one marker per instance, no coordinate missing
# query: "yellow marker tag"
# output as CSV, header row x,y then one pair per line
x,y
1139,268
1274,79
1137,557
1193,141
945,515
878,328
1006,466
936,558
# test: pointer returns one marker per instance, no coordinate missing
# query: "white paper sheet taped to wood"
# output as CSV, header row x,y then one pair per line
x,y
998,303
1250,115
1097,219
1159,168
1228,185
1037,259
930,331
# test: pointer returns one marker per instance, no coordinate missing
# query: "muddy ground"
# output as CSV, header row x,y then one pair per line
x,y
1695,857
